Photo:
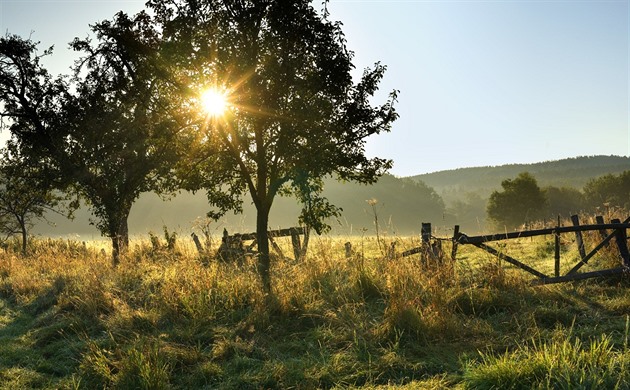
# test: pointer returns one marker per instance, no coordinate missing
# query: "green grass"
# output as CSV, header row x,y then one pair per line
x,y
164,320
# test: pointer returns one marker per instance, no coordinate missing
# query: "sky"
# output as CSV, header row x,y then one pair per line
x,y
482,83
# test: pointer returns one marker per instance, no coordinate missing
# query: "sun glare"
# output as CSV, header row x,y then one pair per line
x,y
214,102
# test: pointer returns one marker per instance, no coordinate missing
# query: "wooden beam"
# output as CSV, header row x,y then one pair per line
x,y
578,236
622,243
591,254
464,239
582,276
557,251
510,260
602,232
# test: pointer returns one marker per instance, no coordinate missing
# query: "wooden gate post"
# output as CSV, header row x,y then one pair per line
x,y
622,243
557,250
425,233
578,236
602,232
455,242
295,242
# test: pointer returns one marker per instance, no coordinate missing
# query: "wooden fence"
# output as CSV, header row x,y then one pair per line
x,y
618,233
234,247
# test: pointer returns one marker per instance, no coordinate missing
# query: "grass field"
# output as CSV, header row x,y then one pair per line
x,y
164,320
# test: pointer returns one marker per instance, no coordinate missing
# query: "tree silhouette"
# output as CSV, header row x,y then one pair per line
x,y
520,201
24,197
608,191
103,134
295,117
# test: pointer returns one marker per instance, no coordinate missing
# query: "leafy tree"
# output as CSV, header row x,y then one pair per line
x,y
24,198
295,117
608,190
104,134
564,201
520,201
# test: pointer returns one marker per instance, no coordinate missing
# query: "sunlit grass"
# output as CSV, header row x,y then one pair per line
x,y
168,318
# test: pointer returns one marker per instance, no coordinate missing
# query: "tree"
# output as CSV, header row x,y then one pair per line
x,y
295,117
104,134
520,201
608,190
24,198
564,201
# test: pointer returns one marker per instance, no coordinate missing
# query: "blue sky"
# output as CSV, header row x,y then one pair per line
x,y
481,82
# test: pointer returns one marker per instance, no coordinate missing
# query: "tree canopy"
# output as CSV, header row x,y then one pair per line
x,y
608,191
103,133
296,115
520,201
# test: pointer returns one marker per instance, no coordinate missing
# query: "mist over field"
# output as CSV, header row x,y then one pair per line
x,y
442,198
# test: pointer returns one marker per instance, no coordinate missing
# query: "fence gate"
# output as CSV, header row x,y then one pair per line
x,y
615,230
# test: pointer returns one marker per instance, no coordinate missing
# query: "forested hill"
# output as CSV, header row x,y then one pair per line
x,y
402,203
571,172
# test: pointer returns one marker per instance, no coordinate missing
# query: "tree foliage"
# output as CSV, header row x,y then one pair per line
x,y
24,198
520,201
104,133
296,114
564,201
608,190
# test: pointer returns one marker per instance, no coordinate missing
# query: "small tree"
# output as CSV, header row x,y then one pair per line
x,y
564,201
104,134
295,117
520,201
24,198
611,190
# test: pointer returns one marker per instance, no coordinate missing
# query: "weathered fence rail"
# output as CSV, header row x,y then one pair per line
x,y
618,234
233,246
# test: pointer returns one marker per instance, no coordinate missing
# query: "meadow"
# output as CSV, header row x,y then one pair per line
x,y
167,318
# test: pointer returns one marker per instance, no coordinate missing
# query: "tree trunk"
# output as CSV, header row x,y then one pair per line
x,y
120,239
24,236
262,235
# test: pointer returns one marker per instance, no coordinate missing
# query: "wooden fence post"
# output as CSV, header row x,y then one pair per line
x,y
425,233
197,242
622,243
602,232
557,250
348,246
295,242
578,236
455,242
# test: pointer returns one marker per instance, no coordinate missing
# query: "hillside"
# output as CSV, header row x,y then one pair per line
x,y
448,197
570,172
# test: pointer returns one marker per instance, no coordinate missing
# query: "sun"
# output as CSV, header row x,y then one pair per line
x,y
214,102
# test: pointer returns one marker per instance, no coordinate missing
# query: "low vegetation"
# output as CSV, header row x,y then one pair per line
x,y
164,320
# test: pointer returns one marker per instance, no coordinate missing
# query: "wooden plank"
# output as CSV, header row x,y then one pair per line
x,y
464,239
510,260
581,276
197,242
276,247
557,251
622,243
578,236
412,251
295,242
591,254
275,233
602,232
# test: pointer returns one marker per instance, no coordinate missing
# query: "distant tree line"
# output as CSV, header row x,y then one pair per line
x,y
521,200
